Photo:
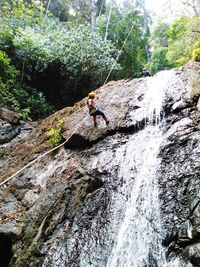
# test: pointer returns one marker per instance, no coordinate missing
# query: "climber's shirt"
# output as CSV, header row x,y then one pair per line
x,y
91,106
93,110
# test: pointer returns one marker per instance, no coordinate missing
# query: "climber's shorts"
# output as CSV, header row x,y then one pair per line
x,y
97,112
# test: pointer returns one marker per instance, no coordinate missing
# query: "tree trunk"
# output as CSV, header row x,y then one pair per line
x,y
48,4
197,7
93,15
108,22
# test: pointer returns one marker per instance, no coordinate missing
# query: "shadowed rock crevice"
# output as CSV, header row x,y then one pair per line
x,y
93,185
5,249
187,242
77,141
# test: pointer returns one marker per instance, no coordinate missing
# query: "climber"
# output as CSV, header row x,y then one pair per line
x,y
145,73
93,110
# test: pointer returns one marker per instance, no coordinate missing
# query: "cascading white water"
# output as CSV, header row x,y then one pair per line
x,y
130,233
138,242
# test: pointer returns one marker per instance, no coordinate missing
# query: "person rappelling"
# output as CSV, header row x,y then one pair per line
x,y
93,110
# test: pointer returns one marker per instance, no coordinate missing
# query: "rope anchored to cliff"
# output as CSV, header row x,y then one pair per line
x,y
43,155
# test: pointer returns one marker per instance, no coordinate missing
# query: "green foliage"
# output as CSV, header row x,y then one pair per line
x,y
160,36
54,134
179,49
183,38
29,45
78,11
32,102
7,72
7,98
25,114
38,42
178,28
196,51
135,51
159,60
176,44
59,8
75,50
159,41
40,46
25,101
196,54
15,16
38,104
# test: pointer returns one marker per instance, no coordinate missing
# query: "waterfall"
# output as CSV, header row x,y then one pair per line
x,y
138,241
125,230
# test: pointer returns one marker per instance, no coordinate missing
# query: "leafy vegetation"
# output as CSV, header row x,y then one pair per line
x,y
57,53
7,71
46,51
54,134
175,44
136,50
7,99
20,98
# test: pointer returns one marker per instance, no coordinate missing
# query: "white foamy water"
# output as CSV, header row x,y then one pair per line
x,y
139,239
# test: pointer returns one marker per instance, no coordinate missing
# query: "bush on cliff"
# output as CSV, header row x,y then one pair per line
x,y
196,52
7,99
26,101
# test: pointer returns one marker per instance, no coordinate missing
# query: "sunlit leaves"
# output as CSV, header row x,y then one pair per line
x,y
183,36
175,44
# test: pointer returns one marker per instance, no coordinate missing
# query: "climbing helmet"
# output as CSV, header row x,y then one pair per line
x,y
91,94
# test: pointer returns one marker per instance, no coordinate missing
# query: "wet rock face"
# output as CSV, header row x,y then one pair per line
x,y
179,187
9,125
67,208
7,132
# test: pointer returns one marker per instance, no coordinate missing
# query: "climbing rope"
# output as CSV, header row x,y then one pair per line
x,y
47,8
118,55
41,156
60,145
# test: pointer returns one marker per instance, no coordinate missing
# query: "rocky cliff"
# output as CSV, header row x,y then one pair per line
x,y
123,195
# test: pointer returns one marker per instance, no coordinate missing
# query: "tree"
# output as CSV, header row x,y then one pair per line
x,y
159,60
175,44
123,22
160,36
183,39
159,42
51,54
194,5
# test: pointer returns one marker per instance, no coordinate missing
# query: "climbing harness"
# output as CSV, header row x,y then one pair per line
x,y
62,144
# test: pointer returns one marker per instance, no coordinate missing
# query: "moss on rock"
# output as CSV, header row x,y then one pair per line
x,y
196,90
